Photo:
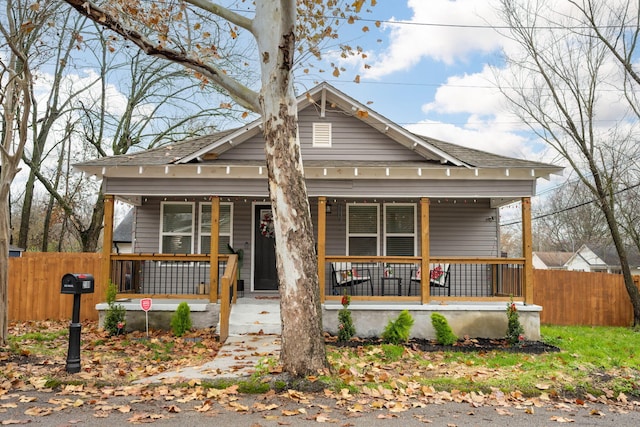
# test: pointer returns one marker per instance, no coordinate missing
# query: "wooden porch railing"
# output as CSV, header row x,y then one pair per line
x,y
228,295
382,278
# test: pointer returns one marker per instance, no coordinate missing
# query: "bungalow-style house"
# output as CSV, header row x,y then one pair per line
x,y
387,206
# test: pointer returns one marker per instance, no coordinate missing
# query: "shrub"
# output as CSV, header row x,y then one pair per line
x,y
397,331
346,329
515,331
444,334
114,318
181,319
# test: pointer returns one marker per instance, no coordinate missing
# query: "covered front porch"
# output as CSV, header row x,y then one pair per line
x,y
364,277
471,290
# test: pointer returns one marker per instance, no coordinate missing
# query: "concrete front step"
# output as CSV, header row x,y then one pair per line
x,y
251,316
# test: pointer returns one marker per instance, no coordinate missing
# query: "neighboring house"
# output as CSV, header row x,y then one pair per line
x,y
122,234
386,205
15,251
551,260
602,259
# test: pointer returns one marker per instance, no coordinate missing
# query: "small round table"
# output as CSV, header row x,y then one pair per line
x,y
391,280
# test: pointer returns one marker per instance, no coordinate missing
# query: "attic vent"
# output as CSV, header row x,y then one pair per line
x,y
322,134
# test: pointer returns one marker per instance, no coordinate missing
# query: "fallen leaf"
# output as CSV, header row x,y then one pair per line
x,y
562,419
38,411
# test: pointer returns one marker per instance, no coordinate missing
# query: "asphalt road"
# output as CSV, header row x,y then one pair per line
x,y
260,410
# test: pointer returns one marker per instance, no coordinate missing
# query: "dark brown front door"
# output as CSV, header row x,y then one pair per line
x,y
265,276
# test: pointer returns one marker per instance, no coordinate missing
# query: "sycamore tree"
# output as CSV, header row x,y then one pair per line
x,y
275,30
23,30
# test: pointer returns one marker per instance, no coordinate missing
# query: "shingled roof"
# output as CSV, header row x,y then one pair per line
x,y
435,152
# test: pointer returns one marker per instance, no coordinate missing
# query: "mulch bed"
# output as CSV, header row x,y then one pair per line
x,y
462,345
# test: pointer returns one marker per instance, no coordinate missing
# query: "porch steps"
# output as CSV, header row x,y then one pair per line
x,y
251,315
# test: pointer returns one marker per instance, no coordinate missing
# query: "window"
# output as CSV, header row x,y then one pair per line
x,y
400,229
226,227
362,229
176,236
322,135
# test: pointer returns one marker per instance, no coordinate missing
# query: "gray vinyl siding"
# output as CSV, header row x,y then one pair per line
x,y
332,188
147,228
456,229
352,139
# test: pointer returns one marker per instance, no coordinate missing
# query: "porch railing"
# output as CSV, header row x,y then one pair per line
x,y
400,278
228,295
164,274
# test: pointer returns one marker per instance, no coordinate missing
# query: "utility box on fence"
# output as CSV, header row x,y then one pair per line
x,y
77,284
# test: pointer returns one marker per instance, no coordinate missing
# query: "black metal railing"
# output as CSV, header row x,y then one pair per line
x,y
447,277
163,276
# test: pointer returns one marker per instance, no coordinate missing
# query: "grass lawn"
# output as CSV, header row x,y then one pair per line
x,y
593,361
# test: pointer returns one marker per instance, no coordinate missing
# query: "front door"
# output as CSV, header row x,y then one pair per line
x,y
265,275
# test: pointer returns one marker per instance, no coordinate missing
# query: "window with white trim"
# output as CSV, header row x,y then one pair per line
x,y
321,135
176,227
225,224
362,229
400,229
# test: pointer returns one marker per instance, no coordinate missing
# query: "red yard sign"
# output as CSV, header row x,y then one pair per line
x,y
145,304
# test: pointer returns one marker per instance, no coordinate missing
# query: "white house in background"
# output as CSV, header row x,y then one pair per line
x,y
551,260
122,234
602,259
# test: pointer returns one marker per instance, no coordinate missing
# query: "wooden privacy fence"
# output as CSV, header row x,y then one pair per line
x,y
579,298
566,297
35,282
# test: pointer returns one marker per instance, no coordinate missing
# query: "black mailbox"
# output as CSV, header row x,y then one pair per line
x,y
77,284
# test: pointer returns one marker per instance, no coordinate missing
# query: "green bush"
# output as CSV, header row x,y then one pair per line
x,y
515,331
346,328
114,318
397,331
444,334
181,320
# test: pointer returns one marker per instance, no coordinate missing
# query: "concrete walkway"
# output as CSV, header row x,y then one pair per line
x,y
254,335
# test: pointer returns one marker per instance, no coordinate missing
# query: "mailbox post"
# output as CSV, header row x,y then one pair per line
x,y
76,285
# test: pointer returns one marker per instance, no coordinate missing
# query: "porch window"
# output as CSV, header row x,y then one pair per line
x,y
176,227
400,229
226,227
362,229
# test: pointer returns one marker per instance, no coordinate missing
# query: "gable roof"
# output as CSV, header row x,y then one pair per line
x,y
609,255
554,259
122,233
435,153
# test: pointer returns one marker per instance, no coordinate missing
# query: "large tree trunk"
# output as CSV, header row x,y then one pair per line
x,y
4,266
90,236
303,349
25,217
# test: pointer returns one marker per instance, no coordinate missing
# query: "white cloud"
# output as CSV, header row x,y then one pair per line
x,y
484,136
413,40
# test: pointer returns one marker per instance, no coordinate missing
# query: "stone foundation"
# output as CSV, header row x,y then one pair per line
x,y
203,314
477,320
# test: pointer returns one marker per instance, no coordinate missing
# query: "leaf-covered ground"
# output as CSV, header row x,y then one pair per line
x,y
382,381
38,351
